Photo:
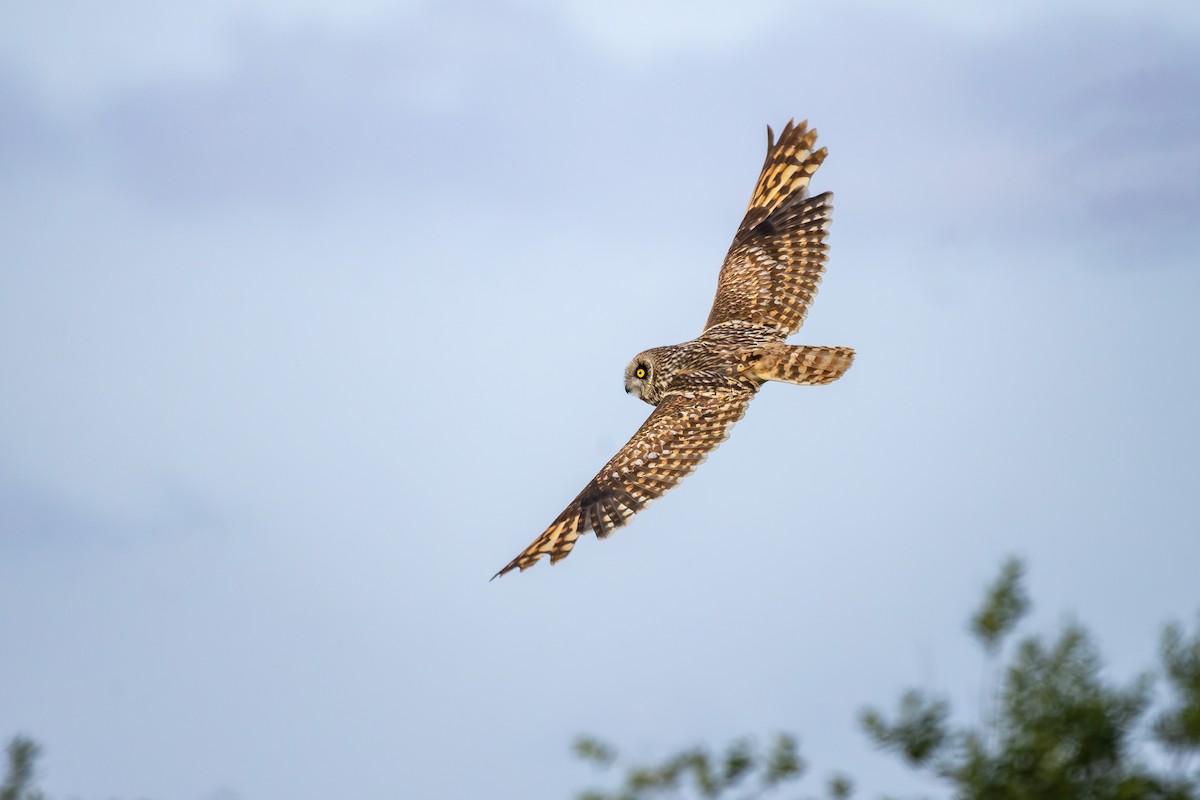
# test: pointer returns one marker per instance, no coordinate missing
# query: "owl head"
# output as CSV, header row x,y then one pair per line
x,y
646,376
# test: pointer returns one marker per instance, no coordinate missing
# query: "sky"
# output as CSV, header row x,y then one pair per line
x,y
313,315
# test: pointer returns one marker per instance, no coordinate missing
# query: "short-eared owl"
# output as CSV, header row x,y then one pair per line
x,y
701,387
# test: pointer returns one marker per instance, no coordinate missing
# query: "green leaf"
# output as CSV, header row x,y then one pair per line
x,y
840,787
23,753
1178,727
591,749
919,732
1003,607
784,761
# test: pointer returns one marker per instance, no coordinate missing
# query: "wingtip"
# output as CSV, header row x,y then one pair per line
x,y
791,131
505,570
516,564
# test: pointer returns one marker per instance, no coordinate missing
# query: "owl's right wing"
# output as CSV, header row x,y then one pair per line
x,y
676,438
777,258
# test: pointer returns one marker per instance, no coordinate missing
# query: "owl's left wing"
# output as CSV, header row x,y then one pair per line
x,y
675,439
777,258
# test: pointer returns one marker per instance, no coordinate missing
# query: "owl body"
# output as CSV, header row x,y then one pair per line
x,y
732,357
701,387
704,363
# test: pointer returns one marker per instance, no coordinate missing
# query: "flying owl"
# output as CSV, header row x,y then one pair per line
x,y
700,388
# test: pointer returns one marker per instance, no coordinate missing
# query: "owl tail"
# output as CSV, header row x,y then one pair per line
x,y
803,364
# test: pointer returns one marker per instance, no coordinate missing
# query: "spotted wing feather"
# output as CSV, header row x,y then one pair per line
x,y
778,255
676,438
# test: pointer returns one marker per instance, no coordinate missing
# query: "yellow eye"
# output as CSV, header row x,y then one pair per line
x,y
640,372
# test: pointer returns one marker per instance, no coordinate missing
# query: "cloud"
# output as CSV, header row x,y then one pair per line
x,y
77,56
29,140
438,104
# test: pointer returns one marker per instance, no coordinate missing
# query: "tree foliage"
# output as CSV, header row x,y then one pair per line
x,y
1058,729
1003,606
18,780
744,770
1178,728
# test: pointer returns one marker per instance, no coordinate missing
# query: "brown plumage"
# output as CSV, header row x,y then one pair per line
x,y
807,365
700,388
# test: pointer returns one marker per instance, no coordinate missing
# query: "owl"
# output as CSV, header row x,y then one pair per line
x,y
701,387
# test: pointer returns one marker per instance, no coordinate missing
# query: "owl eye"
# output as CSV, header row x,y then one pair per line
x,y
640,372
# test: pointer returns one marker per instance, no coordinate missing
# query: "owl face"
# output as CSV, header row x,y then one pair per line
x,y
642,377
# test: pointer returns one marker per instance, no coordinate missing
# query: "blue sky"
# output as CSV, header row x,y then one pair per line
x,y
312,317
